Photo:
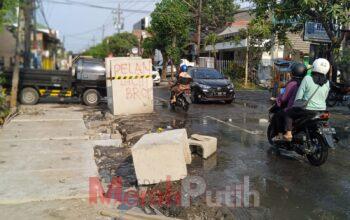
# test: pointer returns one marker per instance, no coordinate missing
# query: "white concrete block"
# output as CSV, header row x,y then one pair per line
x,y
108,142
157,156
208,144
180,135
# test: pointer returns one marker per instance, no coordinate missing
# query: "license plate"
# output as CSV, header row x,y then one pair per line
x,y
328,131
221,93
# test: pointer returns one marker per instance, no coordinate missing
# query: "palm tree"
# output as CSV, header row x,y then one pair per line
x,y
212,39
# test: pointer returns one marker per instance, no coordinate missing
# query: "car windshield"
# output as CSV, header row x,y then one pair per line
x,y
207,74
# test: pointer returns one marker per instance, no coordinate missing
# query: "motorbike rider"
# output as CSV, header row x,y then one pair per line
x,y
313,92
286,100
182,82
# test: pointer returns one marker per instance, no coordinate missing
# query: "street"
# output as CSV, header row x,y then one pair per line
x,y
174,109
289,187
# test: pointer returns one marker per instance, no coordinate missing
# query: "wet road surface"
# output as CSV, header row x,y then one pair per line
x,y
288,186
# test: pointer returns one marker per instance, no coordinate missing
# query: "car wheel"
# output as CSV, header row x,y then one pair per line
x,y
91,97
194,98
29,96
229,101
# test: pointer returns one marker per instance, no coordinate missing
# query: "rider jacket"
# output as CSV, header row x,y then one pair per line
x,y
183,80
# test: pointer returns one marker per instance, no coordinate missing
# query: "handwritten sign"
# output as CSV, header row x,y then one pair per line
x,y
129,85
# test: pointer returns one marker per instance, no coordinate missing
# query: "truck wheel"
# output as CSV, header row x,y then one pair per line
x,y
29,96
91,97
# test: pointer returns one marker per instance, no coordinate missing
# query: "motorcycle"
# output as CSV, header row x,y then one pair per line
x,y
339,93
183,100
312,136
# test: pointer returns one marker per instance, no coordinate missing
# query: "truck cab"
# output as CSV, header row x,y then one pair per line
x,y
85,80
90,80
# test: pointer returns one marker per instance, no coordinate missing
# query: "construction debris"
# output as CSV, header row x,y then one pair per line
x,y
207,144
160,156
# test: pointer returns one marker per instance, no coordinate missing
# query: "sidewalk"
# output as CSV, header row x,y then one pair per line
x,y
45,157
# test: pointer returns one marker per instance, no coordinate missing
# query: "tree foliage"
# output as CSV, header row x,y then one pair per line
x,y
212,39
118,44
7,11
290,16
215,14
170,26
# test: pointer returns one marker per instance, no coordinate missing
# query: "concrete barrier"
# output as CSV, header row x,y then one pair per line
x,y
207,144
181,136
158,156
129,85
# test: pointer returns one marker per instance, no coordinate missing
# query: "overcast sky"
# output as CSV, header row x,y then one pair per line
x,y
82,26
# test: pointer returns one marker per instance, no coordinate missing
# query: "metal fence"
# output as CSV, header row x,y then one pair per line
x,y
227,65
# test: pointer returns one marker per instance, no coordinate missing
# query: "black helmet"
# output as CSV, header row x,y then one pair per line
x,y
298,70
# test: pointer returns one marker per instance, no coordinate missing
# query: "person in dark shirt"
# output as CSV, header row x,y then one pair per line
x,y
285,101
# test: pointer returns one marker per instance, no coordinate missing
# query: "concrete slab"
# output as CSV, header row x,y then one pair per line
x,y
39,185
180,136
44,130
207,144
157,157
45,156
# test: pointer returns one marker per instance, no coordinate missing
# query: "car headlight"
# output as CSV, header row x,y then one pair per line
x,y
204,86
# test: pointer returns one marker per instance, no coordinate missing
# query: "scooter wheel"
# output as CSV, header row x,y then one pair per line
x,y
271,134
320,156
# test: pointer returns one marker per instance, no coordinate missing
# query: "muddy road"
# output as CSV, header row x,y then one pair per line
x,y
288,186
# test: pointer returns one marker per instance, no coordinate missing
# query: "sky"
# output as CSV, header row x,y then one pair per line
x,y
81,27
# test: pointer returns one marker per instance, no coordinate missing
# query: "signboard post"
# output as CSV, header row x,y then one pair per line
x,y
129,85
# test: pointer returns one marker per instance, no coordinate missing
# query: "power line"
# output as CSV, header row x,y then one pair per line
x,y
90,30
41,6
68,2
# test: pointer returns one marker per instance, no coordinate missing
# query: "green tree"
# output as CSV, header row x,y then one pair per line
x,y
121,44
7,11
290,16
148,46
215,14
170,26
212,39
118,44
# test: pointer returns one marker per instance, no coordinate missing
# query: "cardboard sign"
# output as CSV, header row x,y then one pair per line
x,y
129,85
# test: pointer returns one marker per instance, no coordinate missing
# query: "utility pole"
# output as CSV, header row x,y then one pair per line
x,y
35,42
19,45
28,18
118,20
93,41
199,24
246,63
103,33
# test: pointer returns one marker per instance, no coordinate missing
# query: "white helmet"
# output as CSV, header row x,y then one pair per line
x,y
321,65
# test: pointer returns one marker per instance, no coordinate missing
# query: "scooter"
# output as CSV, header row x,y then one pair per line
x,y
312,136
183,100
340,93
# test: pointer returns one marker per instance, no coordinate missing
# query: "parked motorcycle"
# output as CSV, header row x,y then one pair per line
x,y
312,136
340,93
